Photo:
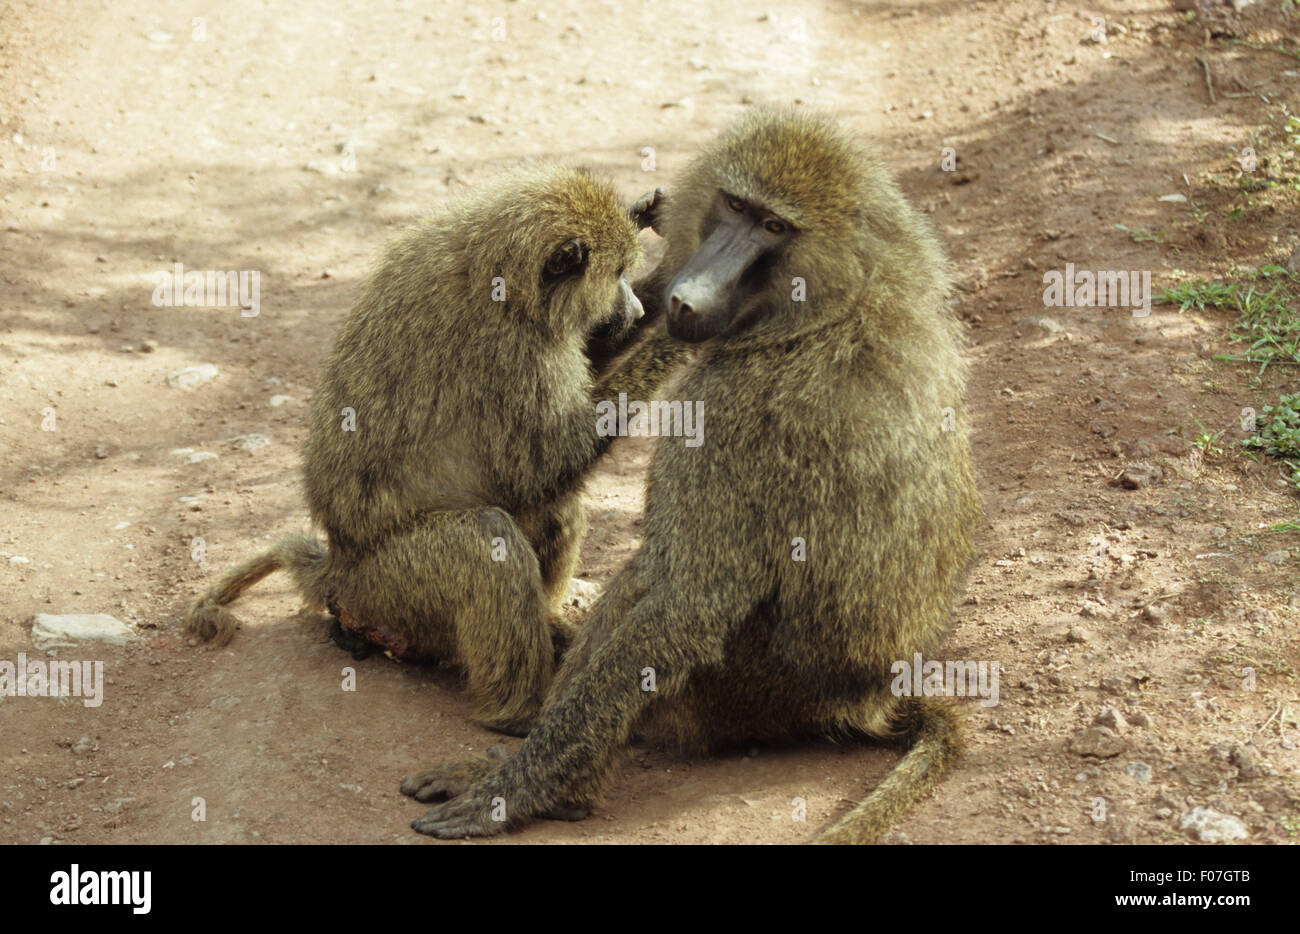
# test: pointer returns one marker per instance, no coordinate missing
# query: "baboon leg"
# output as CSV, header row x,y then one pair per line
x,y
555,532
469,579
584,791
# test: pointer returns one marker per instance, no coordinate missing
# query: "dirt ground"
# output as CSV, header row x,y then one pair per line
x,y
296,138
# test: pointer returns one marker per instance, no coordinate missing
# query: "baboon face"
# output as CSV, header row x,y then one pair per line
x,y
569,263
717,289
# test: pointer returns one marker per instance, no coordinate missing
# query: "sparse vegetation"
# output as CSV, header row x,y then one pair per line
x,y
1278,434
1266,304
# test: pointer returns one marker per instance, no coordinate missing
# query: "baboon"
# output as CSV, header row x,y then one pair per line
x,y
821,531
452,430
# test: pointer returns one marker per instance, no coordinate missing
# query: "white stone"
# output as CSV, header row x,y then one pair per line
x,y
49,629
192,376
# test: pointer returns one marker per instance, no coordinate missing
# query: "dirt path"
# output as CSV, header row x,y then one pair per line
x,y
291,141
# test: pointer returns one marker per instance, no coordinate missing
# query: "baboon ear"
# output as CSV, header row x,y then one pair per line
x,y
568,260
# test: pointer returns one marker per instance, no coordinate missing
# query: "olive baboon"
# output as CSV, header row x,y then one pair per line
x,y
452,430
821,531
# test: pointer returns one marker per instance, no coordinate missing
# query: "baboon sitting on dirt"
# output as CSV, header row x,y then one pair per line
x,y
821,531
452,431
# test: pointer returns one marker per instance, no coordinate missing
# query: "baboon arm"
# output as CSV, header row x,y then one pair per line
x,y
640,375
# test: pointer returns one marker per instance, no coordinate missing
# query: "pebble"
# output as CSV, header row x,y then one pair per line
x,y
1157,613
1112,719
1209,826
1138,771
49,629
199,457
277,401
1139,475
250,442
1078,634
1097,741
83,746
191,376
1244,759
1050,325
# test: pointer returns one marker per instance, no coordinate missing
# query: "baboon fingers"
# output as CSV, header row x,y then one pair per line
x,y
465,816
646,212
449,779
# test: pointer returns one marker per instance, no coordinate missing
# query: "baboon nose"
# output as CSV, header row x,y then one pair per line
x,y
683,311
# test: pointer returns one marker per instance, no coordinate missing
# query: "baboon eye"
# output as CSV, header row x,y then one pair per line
x,y
775,227
567,260
735,204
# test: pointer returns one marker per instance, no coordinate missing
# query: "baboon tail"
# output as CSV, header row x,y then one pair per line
x,y
303,555
934,733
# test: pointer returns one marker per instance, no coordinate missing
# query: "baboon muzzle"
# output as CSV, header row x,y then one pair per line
x,y
699,298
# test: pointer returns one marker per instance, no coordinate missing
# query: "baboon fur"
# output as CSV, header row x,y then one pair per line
x,y
826,424
451,433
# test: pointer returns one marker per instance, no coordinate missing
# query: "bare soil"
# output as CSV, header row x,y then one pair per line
x,y
133,137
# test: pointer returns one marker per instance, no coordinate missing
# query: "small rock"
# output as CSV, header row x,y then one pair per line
x,y
101,453
83,746
1244,759
1281,556
158,36
148,346
1209,826
1049,325
68,629
277,401
1173,199
18,560
199,457
1114,685
1112,719
1157,613
1139,475
1293,264
1078,634
192,376
1139,771
1140,719
1097,741
250,442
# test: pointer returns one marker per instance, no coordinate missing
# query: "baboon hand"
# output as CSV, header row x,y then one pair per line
x,y
450,779
476,813
646,212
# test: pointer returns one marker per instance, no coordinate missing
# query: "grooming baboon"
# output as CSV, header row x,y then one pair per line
x,y
452,430
820,532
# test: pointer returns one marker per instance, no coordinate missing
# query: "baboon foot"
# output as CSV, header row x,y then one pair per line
x,y
449,779
467,815
349,642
